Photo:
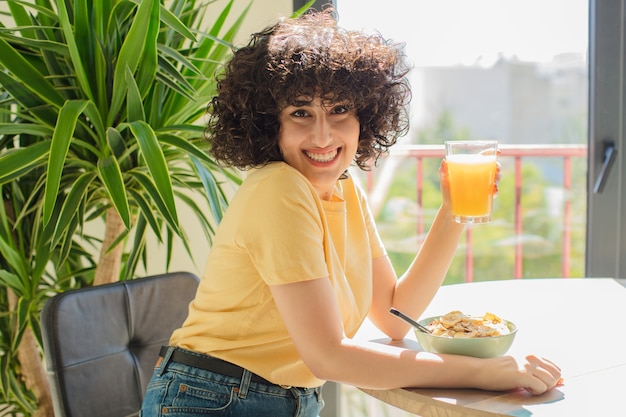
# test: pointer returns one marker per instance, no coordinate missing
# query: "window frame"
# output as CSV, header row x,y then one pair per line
x,y
606,218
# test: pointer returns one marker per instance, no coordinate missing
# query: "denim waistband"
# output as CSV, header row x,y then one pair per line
x,y
175,355
208,363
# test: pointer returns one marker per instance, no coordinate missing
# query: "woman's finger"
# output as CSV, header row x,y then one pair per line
x,y
543,375
443,181
498,177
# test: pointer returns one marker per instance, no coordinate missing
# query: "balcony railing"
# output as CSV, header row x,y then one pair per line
x,y
518,152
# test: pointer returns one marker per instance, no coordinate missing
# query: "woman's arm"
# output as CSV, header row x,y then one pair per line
x,y
311,314
413,292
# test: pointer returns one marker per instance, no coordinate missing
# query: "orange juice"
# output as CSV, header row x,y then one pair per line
x,y
471,180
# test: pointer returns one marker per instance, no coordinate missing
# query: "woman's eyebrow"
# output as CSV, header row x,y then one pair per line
x,y
301,102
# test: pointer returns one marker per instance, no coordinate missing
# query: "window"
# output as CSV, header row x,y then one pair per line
x,y
511,70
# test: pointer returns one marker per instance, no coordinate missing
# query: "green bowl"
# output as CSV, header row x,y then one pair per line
x,y
480,347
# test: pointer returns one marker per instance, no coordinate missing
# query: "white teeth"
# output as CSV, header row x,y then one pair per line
x,y
322,157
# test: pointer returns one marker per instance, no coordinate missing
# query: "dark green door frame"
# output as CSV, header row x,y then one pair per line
x,y
318,5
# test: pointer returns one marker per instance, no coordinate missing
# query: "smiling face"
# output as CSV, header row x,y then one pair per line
x,y
319,139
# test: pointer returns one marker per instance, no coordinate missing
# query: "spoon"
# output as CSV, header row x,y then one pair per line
x,y
409,320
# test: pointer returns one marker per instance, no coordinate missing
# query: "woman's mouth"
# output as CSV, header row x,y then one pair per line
x,y
322,157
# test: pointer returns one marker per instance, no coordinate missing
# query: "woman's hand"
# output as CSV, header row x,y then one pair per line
x,y
542,375
444,184
498,176
536,375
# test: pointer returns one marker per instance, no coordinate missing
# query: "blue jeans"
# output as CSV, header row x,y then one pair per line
x,y
178,390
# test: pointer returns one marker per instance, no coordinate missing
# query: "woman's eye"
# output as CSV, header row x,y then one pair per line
x,y
341,109
299,113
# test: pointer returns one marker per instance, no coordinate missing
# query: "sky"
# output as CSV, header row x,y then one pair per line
x,y
450,32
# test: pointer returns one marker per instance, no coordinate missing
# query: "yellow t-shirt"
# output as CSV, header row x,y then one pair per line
x,y
276,231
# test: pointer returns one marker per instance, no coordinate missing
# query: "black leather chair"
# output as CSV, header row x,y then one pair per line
x,y
101,343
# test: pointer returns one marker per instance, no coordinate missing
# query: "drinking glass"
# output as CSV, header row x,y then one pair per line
x,y
471,175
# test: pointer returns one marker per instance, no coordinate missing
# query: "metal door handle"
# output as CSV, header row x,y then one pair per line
x,y
610,152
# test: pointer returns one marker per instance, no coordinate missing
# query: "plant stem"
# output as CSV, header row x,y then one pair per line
x,y
32,367
108,268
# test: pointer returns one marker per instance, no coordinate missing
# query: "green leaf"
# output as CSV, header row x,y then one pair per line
x,y
58,152
169,71
170,248
221,19
111,176
171,83
22,320
28,99
134,106
101,81
22,160
67,242
92,113
24,399
156,163
117,145
303,9
201,56
204,221
148,65
102,8
20,16
130,54
26,129
138,248
6,367
118,240
146,210
12,281
149,187
30,78
71,204
75,53
44,11
173,22
40,43
87,47
186,146
210,187
41,259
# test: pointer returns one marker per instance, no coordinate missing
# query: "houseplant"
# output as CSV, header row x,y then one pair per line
x,y
100,104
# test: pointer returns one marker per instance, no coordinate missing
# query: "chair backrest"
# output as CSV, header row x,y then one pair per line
x,y
101,343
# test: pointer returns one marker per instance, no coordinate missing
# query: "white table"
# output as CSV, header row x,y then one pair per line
x,y
577,323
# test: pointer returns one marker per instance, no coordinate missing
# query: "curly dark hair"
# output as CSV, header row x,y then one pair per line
x,y
308,56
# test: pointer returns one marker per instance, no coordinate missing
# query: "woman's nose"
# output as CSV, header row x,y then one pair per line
x,y
322,135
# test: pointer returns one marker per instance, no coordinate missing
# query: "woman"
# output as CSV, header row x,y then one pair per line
x,y
297,263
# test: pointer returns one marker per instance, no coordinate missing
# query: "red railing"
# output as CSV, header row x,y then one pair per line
x,y
518,152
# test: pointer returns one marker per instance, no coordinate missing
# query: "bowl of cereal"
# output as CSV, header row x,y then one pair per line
x,y
486,336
